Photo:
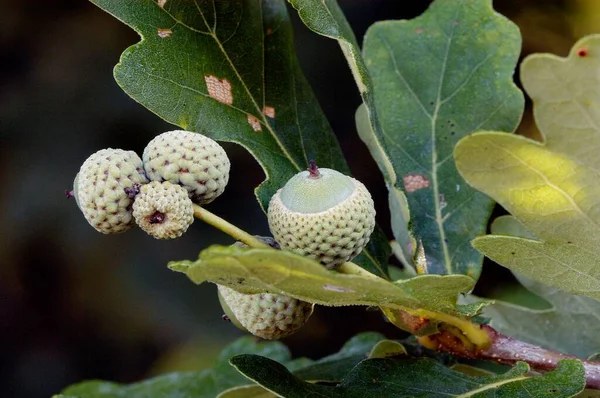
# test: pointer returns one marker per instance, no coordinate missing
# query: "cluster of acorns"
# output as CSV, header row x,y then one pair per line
x,y
319,213
115,187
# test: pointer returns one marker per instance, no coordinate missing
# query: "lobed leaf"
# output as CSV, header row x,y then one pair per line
x,y
567,323
276,271
335,367
437,78
407,377
425,83
552,188
227,69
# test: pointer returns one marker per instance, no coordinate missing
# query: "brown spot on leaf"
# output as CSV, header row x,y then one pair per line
x,y
419,31
269,111
161,3
414,182
582,52
269,31
164,33
254,123
219,89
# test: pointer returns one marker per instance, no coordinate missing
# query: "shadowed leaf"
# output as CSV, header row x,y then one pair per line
x,y
406,377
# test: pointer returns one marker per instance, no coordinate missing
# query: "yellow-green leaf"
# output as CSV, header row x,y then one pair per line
x,y
282,272
552,188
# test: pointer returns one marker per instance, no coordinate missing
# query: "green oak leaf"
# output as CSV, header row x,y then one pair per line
x,y
552,188
332,368
570,327
327,19
513,293
398,203
387,349
437,78
282,272
203,384
335,367
227,69
408,377
426,83
247,391
567,323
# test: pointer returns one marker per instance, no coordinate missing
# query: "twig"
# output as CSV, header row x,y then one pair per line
x,y
238,234
506,350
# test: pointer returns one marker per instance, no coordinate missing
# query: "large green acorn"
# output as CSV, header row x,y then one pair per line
x,y
323,214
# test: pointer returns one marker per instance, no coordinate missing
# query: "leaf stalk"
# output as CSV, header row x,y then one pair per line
x,y
236,233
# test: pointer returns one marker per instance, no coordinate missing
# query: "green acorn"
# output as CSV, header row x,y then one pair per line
x,y
322,214
266,315
104,189
163,210
192,160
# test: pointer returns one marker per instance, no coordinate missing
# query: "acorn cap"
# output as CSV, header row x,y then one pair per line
x,y
305,193
324,215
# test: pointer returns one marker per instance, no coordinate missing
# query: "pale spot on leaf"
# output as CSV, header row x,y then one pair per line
x,y
414,182
338,289
254,123
161,3
163,33
269,111
219,89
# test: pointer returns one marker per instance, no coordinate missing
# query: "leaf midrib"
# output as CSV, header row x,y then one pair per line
x,y
212,33
439,218
492,386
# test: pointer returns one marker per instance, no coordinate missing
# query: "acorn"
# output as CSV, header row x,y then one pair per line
x,y
163,210
322,214
103,189
192,160
267,315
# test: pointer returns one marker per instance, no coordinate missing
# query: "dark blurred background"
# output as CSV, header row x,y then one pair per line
x,y
75,304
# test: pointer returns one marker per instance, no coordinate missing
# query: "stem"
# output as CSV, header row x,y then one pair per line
x,y
506,350
313,169
472,331
236,233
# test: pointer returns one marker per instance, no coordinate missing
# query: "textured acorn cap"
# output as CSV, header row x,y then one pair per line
x,y
192,160
99,189
329,218
266,315
163,210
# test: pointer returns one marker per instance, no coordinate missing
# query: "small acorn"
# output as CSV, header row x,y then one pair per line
x,y
266,315
192,160
102,189
163,210
323,214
